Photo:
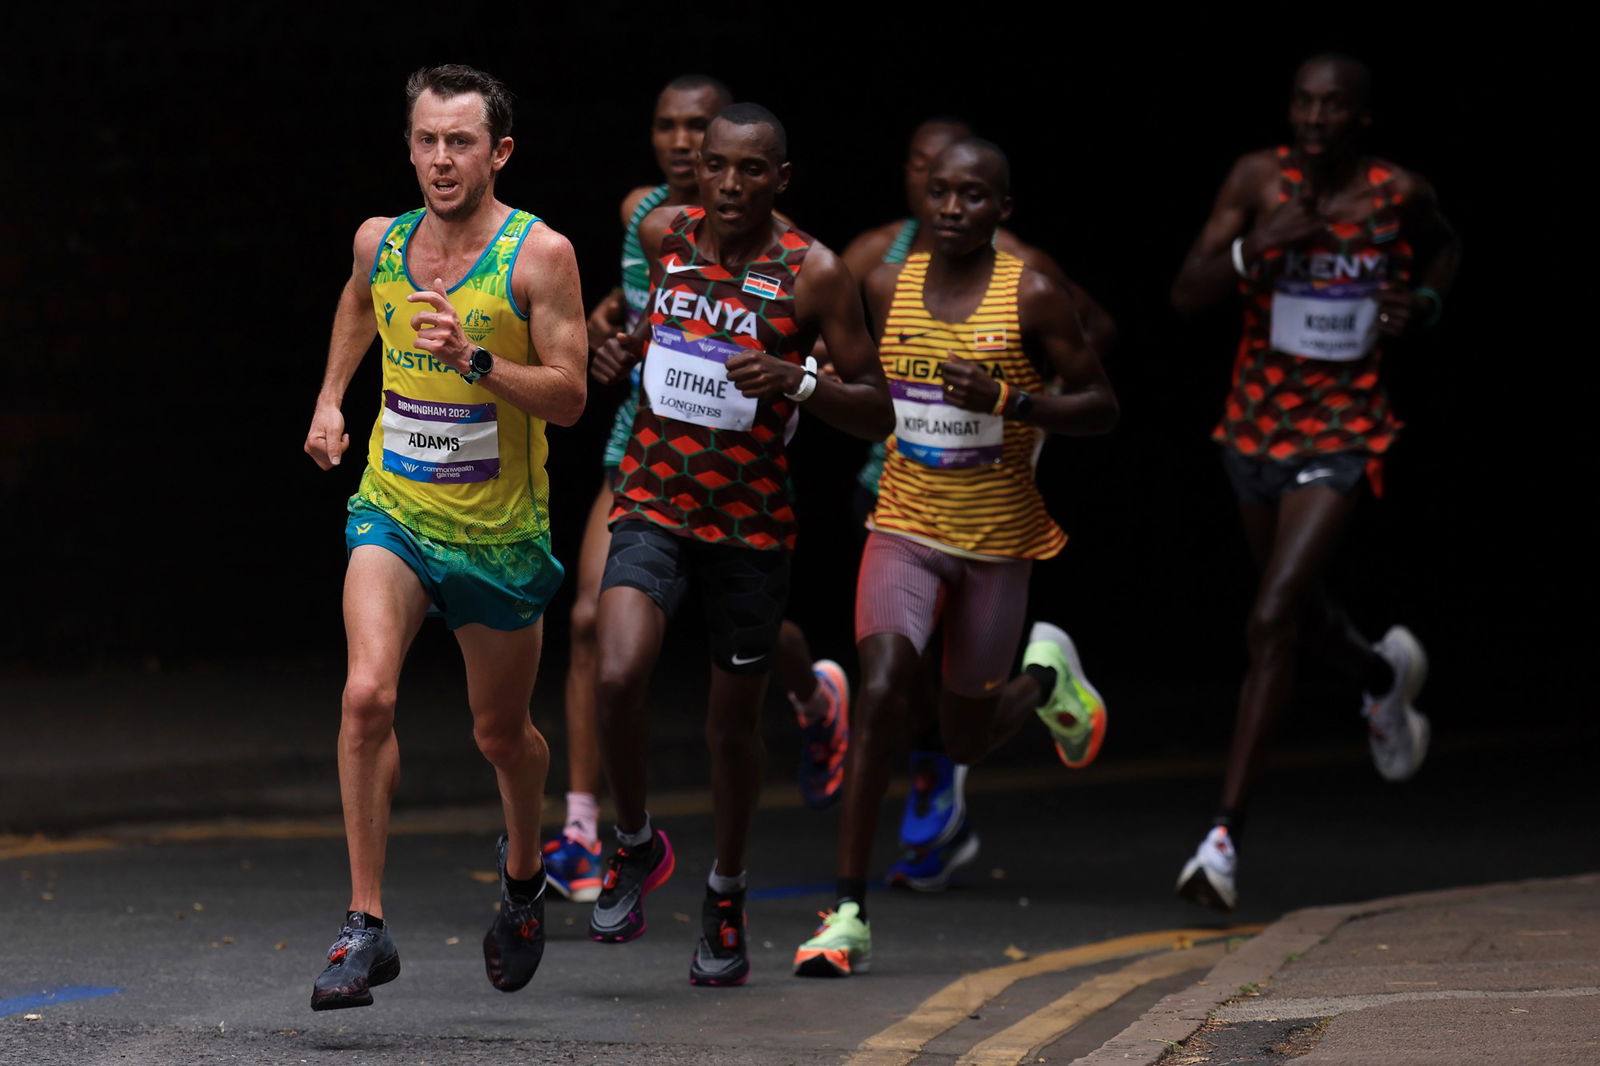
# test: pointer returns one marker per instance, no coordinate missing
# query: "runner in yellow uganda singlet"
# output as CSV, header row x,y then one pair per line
x,y
960,481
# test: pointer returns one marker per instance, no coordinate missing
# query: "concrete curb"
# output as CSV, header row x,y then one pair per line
x,y
1178,1016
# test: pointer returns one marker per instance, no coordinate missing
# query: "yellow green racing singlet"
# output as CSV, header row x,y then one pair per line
x,y
447,459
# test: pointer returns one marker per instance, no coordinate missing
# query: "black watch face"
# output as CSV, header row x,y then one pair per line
x,y
482,361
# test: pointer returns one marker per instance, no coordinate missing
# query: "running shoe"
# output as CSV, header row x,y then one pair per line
x,y
514,943
841,946
823,743
360,959
630,873
721,957
928,869
1397,733
1074,713
936,807
572,867
1207,878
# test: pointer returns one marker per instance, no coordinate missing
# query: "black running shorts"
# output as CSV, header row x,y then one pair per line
x,y
1270,480
743,591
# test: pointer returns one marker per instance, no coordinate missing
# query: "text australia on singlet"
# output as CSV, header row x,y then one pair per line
x,y
686,376
1325,305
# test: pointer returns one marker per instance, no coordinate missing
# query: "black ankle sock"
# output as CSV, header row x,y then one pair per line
x,y
928,739
1046,676
1232,820
854,889
528,889
367,920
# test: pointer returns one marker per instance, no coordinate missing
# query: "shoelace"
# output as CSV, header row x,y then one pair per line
x,y
613,869
521,916
350,940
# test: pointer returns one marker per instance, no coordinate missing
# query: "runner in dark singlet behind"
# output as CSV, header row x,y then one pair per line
x,y
1334,252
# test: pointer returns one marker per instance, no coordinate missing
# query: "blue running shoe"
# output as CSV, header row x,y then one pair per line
x,y
929,869
572,868
937,805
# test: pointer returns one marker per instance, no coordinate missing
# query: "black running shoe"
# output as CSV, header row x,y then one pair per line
x,y
630,873
359,960
514,943
721,957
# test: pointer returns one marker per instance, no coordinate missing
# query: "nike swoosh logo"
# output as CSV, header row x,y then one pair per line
x,y
990,686
907,336
678,268
626,263
1313,474
738,661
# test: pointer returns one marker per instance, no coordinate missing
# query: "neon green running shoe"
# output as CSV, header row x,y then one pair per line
x,y
1074,713
841,946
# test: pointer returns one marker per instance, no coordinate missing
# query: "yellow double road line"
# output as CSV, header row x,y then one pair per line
x,y
903,1041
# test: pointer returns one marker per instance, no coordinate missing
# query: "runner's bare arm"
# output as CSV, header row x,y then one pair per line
x,y
863,254
1086,404
1438,255
353,329
1207,275
610,314
545,281
613,359
827,299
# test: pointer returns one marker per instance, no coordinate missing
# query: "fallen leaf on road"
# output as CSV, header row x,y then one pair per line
x,y
452,940
227,940
484,877
31,1017
280,945
199,906
47,896
1014,953
679,916
998,874
1183,943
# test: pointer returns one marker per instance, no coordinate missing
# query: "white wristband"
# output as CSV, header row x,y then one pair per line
x,y
1238,258
808,382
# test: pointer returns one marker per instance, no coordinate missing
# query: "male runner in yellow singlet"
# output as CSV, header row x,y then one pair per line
x,y
968,335
478,313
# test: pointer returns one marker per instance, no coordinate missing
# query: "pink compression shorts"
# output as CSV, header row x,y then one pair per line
x,y
905,586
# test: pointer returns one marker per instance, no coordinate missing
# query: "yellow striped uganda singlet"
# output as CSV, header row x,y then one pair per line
x,y
991,508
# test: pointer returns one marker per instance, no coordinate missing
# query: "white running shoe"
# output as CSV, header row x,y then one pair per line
x,y
1207,879
1397,733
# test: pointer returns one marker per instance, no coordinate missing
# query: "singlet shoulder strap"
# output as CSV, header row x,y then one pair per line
x,y
902,242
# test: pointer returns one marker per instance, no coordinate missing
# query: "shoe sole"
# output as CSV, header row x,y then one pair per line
x,y
821,801
385,971
1052,634
585,891
961,857
657,877
702,979
1195,885
830,962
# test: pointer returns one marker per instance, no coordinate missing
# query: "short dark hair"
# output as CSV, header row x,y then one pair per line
x,y
955,122
987,147
455,79
690,82
748,114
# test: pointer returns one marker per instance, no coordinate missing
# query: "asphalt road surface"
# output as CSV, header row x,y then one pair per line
x,y
198,943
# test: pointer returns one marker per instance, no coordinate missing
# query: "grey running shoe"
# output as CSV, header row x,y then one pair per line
x,y
1397,733
359,960
630,873
721,957
1208,877
514,943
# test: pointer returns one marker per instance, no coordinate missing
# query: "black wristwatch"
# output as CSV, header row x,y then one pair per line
x,y
1021,406
482,363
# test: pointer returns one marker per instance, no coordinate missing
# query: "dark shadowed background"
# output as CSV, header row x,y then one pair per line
x,y
188,181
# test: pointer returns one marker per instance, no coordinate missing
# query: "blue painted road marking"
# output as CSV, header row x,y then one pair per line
x,y
49,997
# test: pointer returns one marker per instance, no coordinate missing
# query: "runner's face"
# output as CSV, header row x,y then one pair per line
x,y
681,118
1326,111
455,158
964,203
740,176
926,144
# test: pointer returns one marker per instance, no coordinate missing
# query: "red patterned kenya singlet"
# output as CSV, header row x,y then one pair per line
x,y
1284,405
704,461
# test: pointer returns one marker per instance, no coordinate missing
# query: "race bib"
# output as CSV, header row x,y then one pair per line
x,y
1335,322
936,434
428,440
687,378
